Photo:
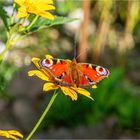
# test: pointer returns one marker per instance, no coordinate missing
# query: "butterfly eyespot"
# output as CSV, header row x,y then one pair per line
x,y
47,62
101,70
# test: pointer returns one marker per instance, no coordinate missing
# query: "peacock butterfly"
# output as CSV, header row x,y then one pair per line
x,y
70,73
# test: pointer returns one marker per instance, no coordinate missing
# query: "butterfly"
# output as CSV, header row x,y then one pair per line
x,y
70,73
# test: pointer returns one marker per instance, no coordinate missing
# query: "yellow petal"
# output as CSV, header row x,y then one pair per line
x,y
36,62
4,133
12,134
12,137
38,7
94,86
32,9
49,86
69,92
43,1
83,91
48,1
46,15
19,2
16,133
22,12
48,56
39,74
44,7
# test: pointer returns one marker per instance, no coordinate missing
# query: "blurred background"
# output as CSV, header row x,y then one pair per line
x,y
107,34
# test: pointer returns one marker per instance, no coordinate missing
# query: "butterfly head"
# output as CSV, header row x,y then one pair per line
x,y
74,61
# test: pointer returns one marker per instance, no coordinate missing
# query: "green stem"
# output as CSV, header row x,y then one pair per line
x,y
21,27
31,24
43,115
9,40
5,50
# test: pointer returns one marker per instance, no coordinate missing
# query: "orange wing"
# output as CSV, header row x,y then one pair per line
x,y
91,74
56,69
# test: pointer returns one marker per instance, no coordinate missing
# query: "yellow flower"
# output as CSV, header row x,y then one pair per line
x,y
38,7
50,84
11,134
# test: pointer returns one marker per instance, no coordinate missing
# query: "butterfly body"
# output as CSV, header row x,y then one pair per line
x,y
70,73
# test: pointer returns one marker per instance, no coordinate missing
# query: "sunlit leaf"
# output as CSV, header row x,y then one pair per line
x,y
43,23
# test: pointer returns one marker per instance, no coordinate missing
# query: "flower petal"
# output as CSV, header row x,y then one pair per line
x,y
48,56
12,137
16,133
48,1
94,86
39,74
83,91
22,12
36,60
42,1
49,86
47,15
69,92
38,7
19,2
12,134
45,6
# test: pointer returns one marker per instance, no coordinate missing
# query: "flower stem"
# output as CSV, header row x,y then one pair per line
x,y
21,27
9,42
43,115
5,50
31,24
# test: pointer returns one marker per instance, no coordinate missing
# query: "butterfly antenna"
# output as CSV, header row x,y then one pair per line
x,y
75,46
75,49
85,50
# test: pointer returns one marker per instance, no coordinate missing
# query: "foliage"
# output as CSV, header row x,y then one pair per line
x,y
36,16
7,71
4,16
115,97
42,23
66,6
114,29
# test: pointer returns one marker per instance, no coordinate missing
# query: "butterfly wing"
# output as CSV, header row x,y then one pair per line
x,y
91,74
56,69
60,71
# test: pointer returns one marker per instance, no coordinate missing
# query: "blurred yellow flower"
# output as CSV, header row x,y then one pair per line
x,y
51,85
11,134
38,7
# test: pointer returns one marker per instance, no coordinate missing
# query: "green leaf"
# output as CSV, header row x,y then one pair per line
x,y
4,16
43,23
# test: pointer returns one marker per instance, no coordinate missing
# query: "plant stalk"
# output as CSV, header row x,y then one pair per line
x,y
31,24
5,50
43,115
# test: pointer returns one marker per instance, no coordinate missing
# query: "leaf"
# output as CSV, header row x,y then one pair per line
x,y
4,16
43,23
